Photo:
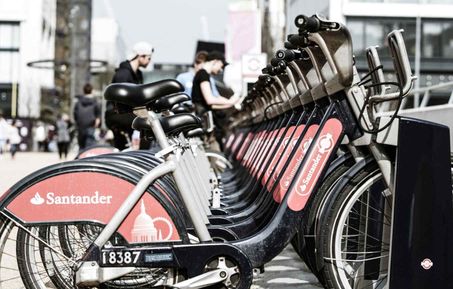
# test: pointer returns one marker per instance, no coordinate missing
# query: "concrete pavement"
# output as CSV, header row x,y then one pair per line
x,y
25,163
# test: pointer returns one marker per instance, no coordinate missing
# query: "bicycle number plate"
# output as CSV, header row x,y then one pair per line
x,y
120,258
126,257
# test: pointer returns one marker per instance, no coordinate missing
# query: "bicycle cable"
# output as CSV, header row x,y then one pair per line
x,y
395,113
267,107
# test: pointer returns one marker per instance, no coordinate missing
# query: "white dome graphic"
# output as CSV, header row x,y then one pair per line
x,y
144,230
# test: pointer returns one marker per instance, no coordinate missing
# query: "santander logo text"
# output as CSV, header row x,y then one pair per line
x,y
54,199
325,144
316,161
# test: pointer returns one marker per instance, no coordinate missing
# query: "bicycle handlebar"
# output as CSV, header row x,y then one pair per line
x,y
314,24
288,55
289,45
297,40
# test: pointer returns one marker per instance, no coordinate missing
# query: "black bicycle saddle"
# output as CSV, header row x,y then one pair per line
x,y
194,132
172,125
168,101
137,95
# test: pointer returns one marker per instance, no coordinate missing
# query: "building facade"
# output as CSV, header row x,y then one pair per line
x,y
27,33
428,33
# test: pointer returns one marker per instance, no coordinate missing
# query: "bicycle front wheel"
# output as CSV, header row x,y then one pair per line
x,y
45,256
356,235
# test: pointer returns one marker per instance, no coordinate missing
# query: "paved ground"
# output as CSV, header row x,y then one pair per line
x,y
25,163
285,271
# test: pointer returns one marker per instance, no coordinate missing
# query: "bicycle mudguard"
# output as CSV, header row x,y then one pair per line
x,y
81,192
95,151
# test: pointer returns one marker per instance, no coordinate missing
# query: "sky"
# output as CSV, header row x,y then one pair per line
x,y
171,26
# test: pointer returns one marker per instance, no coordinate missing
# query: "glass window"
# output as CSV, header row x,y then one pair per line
x,y
403,1
374,32
447,40
357,30
9,65
366,1
9,35
391,1
432,33
437,40
438,1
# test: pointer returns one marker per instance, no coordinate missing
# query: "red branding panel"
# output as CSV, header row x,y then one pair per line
x,y
276,157
289,147
229,141
316,161
97,151
270,155
248,139
76,197
237,142
261,143
272,142
267,144
294,164
248,157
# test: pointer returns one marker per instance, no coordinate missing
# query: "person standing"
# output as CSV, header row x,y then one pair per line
x,y
87,113
118,117
40,136
14,139
3,132
186,78
63,137
202,95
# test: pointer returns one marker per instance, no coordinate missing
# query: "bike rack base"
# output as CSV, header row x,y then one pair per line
x,y
422,234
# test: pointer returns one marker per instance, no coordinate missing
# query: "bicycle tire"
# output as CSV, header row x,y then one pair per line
x,y
305,240
347,256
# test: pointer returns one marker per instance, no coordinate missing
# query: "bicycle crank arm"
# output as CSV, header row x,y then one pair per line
x,y
203,280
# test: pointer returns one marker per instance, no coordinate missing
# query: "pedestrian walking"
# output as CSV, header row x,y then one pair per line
x,y
63,138
118,117
87,113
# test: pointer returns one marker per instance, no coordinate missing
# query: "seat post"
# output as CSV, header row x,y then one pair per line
x,y
154,122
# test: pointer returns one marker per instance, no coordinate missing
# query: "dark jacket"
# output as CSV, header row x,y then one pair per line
x,y
119,115
124,73
86,110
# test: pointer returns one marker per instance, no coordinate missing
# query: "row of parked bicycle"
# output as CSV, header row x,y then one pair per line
x,y
311,160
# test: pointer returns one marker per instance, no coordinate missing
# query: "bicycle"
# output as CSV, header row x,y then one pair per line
x,y
104,248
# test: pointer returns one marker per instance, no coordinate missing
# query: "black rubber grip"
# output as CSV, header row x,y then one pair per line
x,y
269,69
297,40
307,24
289,45
286,55
275,62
